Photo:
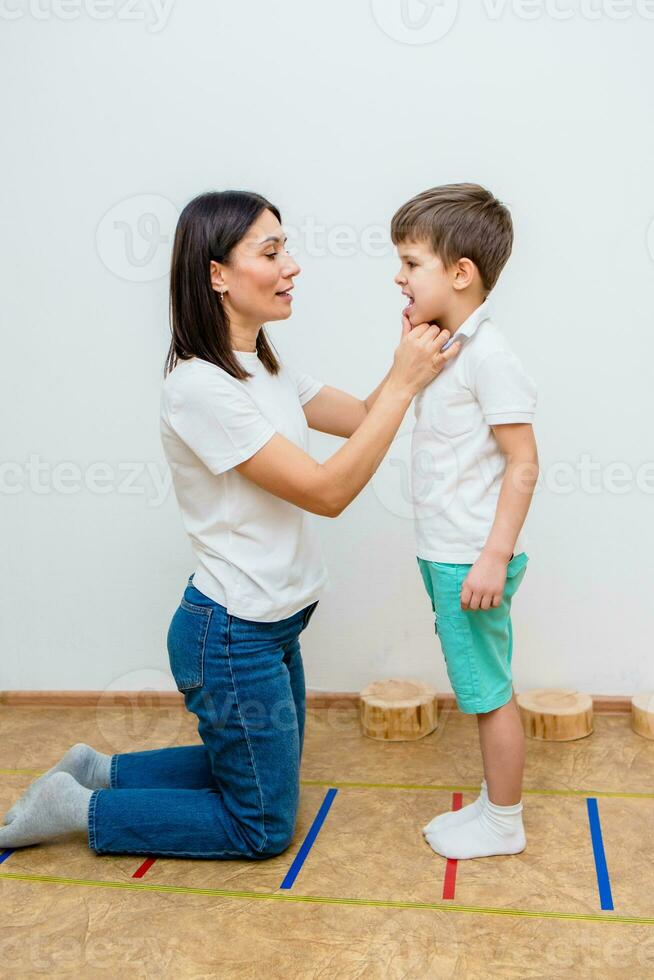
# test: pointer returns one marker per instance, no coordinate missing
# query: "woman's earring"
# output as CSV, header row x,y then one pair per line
x,y
222,295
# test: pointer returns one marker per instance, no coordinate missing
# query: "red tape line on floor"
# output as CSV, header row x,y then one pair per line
x,y
449,881
144,868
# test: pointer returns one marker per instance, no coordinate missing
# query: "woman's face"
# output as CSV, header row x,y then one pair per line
x,y
259,276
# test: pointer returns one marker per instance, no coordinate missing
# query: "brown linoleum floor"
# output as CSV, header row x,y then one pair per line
x,y
368,900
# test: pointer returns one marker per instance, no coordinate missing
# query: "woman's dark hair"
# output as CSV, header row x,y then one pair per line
x,y
209,227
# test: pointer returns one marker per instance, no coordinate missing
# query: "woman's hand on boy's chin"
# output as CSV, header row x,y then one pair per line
x,y
407,325
484,584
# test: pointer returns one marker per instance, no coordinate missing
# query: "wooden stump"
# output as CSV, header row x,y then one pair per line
x,y
556,715
642,715
398,710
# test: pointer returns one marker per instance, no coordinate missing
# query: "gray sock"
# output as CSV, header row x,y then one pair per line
x,y
58,805
88,767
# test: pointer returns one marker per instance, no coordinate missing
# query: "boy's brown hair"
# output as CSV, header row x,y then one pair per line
x,y
459,221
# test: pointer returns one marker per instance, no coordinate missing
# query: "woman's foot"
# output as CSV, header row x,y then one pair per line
x,y
88,767
57,806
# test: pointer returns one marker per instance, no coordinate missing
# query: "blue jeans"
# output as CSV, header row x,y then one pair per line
x,y
236,795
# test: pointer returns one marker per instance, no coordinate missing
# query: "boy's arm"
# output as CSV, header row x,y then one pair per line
x,y
485,581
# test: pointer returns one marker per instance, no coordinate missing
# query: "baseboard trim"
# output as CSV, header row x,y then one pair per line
x,y
602,703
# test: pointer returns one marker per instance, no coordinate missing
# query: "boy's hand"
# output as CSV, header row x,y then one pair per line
x,y
484,583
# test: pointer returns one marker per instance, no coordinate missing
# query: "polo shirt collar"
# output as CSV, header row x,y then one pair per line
x,y
470,326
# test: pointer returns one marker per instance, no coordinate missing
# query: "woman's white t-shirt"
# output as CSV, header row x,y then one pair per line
x,y
258,555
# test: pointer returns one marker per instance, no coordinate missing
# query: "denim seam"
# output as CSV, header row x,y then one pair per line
x,y
252,762
113,772
208,854
93,800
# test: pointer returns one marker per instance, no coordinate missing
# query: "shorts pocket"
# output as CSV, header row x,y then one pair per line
x,y
186,641
458,655
517,564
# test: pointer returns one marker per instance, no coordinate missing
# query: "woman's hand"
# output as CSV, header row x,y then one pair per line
x,y
418,359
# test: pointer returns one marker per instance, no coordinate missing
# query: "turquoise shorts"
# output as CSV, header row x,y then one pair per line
x,y
477,643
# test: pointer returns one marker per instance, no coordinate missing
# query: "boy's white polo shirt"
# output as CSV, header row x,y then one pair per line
x,y
457,466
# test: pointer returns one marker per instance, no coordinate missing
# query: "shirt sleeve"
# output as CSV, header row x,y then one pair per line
x,y
307,387
504,390
219,421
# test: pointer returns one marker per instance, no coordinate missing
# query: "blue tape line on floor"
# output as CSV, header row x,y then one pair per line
x,y
603,882
6,854
301,856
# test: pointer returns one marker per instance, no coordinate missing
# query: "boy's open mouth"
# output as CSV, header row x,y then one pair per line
x,y
411,303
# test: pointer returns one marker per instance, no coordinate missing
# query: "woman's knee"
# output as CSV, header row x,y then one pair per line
x,y
277,836
273,847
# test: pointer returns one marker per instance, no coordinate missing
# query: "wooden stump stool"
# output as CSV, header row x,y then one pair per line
x,y
556,715
398,710
642,715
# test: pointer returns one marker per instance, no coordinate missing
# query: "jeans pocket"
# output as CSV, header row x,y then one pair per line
x,y
308,613
186,641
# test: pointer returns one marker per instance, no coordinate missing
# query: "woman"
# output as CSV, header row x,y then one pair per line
x,y
234,424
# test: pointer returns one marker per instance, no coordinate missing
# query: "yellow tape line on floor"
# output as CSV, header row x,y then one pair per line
x,y
475,789
418,786
324,900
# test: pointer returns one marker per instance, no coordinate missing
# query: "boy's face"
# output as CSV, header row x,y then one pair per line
x,y
425,282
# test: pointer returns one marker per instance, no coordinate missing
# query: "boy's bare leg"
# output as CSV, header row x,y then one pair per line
x,y
497,827
502,743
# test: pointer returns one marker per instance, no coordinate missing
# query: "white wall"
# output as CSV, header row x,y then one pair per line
x,y
338,122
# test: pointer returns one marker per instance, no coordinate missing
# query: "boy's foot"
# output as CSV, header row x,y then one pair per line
x,y
495,830
88,767
58,805
453,818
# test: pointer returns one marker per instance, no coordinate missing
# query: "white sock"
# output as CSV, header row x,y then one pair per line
x,y
453,817
495,830
88,767
58,805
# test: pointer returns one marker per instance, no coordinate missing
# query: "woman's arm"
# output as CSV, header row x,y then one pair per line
x,y
338,413
286,471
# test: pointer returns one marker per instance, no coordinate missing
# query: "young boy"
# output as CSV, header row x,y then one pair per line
x,y
474,469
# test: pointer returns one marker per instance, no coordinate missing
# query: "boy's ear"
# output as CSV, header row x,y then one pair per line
x,y
465,271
